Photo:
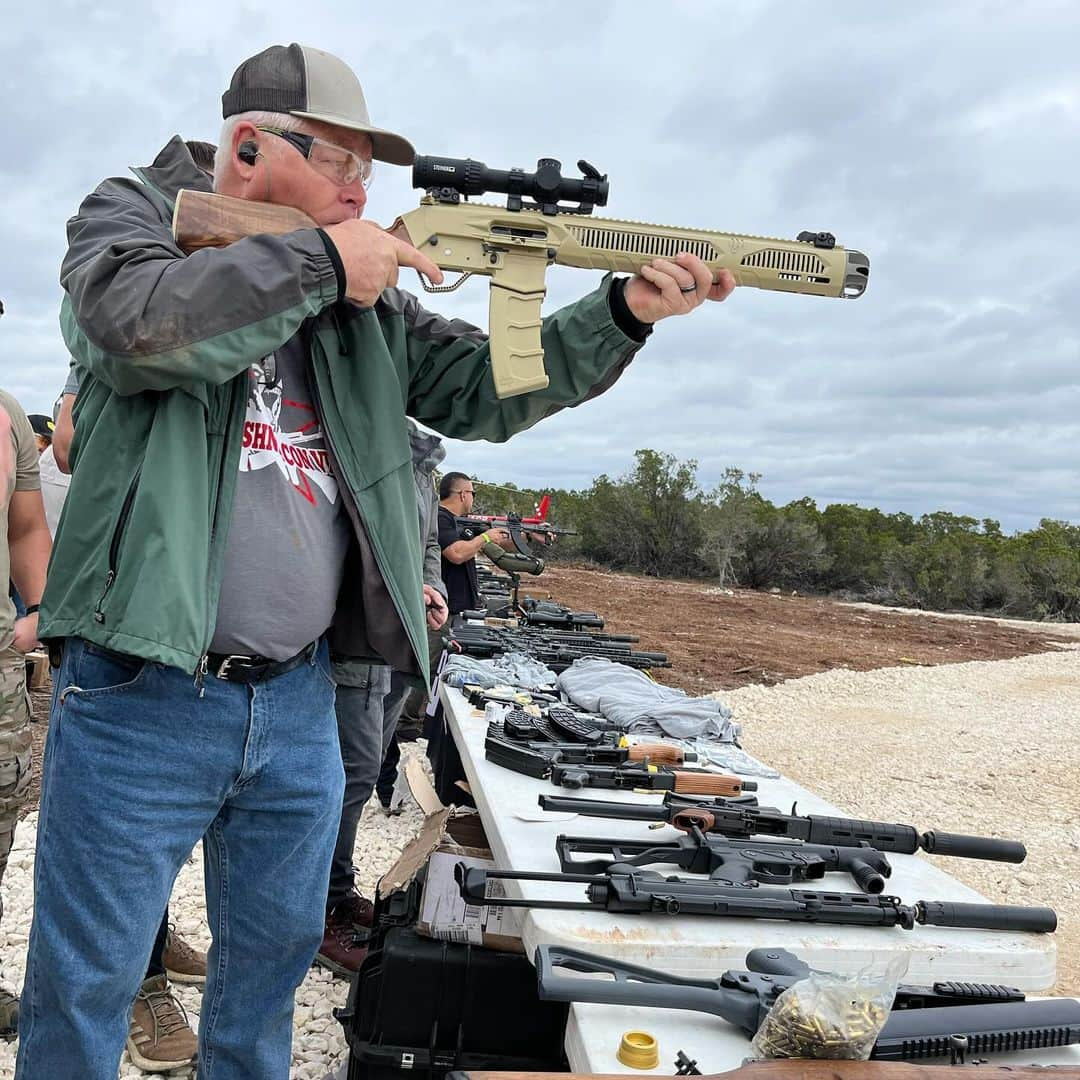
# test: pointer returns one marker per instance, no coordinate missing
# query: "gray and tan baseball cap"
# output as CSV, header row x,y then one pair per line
x,y
314,84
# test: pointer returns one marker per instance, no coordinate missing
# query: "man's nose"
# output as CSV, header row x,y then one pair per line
x,y
354,195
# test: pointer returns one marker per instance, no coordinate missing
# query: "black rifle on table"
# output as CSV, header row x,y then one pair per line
x,y
536,758
599,765
925,1021
770,862
624,891
557,649
740,820
547,614
803,1069
638,777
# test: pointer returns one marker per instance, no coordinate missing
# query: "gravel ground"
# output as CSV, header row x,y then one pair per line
x,y
984,747
988,748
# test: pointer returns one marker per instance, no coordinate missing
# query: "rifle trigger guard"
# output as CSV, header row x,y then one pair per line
x,y
428,287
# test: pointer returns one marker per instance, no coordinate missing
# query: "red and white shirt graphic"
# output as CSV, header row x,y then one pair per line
x,y
299,454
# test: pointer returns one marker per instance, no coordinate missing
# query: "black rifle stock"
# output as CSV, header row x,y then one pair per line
x,y
924,1022
801,1069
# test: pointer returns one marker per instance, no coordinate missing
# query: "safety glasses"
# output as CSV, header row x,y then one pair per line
x,y
336,163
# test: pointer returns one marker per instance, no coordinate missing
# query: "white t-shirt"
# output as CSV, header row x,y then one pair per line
x,y
54,488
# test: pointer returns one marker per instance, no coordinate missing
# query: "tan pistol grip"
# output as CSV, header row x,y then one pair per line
x,y
514,322
656,754
693,783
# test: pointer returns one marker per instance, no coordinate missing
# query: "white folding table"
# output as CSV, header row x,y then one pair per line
x,y
522,837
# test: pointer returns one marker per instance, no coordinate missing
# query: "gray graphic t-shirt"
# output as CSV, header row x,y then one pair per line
x,y
285,552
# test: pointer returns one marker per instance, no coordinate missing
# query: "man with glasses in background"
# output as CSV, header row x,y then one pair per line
x,y
243,503
456,498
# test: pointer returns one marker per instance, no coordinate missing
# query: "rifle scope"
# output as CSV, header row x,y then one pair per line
x,y
447,179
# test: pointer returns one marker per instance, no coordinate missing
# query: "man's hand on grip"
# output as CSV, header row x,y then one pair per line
x,y
372,258
674,287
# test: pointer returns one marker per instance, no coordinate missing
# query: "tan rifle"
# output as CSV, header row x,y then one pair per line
x,y
515,244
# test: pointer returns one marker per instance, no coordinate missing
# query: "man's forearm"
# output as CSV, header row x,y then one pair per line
x,y
461,551
63,434
29,561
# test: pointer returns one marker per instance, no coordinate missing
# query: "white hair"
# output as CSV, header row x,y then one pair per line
x,y
285,121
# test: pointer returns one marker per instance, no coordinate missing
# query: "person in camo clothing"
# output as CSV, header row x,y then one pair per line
x,y
24,555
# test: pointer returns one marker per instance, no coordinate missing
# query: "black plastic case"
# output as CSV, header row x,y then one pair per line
x,y
419,1007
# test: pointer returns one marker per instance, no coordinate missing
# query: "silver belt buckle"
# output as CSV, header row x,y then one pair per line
x,y
223,671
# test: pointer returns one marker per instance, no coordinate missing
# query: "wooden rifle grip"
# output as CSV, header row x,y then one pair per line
x,y
655,753
703,783
203,219
689,820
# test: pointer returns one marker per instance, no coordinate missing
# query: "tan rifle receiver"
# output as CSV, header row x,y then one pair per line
x,y
515,247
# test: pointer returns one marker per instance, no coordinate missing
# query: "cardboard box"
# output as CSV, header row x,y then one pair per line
x,y
450,835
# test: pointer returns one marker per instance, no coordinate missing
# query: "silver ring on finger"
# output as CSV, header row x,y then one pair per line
x,y
688,288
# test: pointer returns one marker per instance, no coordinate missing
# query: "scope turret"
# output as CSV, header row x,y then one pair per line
x,y
448,179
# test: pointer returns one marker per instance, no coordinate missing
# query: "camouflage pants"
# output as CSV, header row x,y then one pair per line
x,y
14,748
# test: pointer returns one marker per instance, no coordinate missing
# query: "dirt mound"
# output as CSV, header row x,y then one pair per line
x,y
719,639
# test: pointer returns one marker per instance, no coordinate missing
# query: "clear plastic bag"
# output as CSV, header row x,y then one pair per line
x,y
831,1016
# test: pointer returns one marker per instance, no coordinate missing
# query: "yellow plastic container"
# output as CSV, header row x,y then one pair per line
x,y
639,1050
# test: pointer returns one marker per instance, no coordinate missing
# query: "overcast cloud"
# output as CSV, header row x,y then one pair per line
x,y
940,140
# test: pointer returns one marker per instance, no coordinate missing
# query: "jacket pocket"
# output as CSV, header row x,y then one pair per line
x,y
115,541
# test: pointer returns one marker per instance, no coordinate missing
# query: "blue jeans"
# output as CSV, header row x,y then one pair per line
x,y
137,768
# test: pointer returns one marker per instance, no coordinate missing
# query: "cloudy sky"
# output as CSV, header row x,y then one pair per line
x,y
942,140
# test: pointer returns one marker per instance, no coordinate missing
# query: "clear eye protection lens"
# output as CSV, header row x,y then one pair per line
x,y
340,165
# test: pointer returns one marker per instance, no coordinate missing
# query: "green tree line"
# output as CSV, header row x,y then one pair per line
x,y
657,520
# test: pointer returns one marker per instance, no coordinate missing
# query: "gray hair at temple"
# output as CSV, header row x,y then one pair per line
x,y
283,121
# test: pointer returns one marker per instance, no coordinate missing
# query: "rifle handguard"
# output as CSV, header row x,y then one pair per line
x,y
656,754
702,783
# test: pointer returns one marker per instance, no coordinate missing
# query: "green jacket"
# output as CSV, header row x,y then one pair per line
x,y
167,341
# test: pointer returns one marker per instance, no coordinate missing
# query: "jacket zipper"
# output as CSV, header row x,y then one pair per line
x,y
114,543
202,667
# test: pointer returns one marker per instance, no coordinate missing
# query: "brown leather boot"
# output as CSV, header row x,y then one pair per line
x,y
355,909
340,952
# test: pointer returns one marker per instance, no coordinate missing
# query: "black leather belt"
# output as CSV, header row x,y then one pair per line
x,y
249,669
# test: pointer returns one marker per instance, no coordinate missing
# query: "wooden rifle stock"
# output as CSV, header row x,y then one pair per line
x,y
806,1069
202,219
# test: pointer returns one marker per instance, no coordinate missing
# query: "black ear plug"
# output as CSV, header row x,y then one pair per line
x,y
248,151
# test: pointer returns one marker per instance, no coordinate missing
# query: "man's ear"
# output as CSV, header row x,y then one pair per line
x,y
246,143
